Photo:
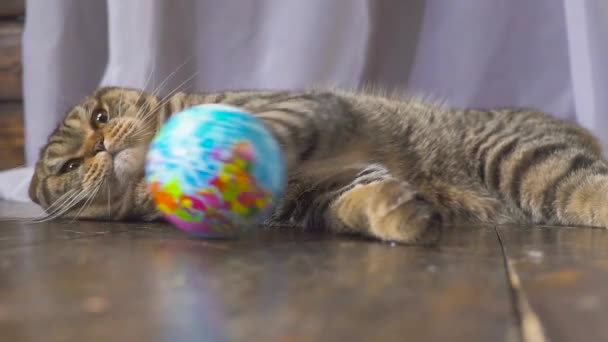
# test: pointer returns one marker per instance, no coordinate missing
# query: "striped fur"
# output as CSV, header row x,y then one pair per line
x,y
385,167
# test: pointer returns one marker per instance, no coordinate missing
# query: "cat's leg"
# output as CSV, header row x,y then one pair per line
x,y
141,203
321,135
389,210
377,205
578,195
553,179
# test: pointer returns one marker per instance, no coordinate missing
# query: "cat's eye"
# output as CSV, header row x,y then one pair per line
x,y
71,165
99,118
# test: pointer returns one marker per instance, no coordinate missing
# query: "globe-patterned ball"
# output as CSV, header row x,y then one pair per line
x,y
215,170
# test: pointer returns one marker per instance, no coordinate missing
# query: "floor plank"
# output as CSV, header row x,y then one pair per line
x,y
100,281
564,275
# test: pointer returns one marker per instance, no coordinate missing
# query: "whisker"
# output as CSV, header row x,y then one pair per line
x,y
170,93
143,134
73,201
109,199
167,97
143,126
52,208
88,201
61,200
164,101
143,88
72,204
159,87
151,75
146,126
121,102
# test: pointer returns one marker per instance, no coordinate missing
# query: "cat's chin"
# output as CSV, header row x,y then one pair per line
x,y
128,165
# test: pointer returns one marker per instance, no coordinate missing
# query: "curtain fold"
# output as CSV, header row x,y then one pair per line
x,y
65,49
587,23
546,54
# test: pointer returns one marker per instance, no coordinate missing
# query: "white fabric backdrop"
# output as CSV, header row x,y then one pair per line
x,y
543,53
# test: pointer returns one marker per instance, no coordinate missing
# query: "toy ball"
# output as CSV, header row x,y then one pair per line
x,y
215,170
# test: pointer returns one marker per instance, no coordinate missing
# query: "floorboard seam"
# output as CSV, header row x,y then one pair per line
x,y
530,326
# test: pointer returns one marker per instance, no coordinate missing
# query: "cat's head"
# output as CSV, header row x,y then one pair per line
x,y
93,163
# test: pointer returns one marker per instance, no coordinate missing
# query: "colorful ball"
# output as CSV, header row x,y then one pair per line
x,y
215,170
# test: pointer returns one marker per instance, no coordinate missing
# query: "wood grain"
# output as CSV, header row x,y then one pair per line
x,y
91,281
97,281
11,135
10,61
12,8
563,273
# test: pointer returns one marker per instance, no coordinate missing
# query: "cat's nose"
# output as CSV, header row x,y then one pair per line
x,y
99,146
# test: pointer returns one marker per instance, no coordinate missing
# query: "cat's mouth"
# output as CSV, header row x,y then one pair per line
x,y
128,164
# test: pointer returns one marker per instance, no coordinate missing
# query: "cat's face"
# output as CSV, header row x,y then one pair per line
x,y
93,162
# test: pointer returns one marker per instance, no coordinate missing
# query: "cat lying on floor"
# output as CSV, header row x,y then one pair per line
x,y
387,168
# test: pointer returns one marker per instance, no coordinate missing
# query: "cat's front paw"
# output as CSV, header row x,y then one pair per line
x,y
389,210
396,212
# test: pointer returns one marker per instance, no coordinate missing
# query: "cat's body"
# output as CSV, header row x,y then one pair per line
x,y
383,167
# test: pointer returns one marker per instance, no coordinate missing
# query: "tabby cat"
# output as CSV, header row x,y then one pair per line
x,y
388,168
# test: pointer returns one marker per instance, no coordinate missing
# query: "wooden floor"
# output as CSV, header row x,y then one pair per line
x,y
87,281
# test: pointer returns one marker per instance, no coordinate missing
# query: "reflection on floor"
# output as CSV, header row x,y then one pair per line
x,y
89,281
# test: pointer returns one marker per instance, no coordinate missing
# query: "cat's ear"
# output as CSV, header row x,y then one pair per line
x,y
32,191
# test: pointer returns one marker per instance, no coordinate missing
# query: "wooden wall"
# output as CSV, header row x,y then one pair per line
x,y
11,93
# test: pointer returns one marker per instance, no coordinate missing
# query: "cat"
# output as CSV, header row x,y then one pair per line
x,y
389,168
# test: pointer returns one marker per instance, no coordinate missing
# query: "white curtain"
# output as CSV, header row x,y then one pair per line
x,y
548,54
